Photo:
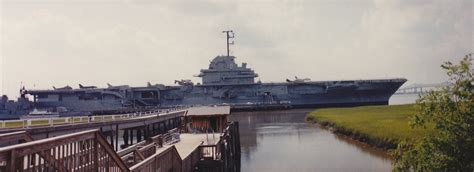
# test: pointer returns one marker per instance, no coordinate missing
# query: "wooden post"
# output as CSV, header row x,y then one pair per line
x,y
139,135
131,136
145,132
219,123
160,141
237,142
171,124
148,131
116,137
111,136
161,126
12,163
125,137
223,155
96,155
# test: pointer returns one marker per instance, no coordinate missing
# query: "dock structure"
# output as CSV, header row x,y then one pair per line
x,y
131,128
92,150
207,119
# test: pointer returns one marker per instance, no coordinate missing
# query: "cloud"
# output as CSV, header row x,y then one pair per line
x,y
47,42
418,36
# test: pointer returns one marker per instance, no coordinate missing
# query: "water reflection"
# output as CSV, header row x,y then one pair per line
x,y
282,141
363,147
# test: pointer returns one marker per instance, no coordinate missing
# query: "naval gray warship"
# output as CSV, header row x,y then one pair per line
x,y
223,82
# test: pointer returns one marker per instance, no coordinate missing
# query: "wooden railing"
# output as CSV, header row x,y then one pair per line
x,y
171,136
89,151
138,153
82,151
210,152
142,150
166,160
229,146
191,161
15,138
225,152
37,122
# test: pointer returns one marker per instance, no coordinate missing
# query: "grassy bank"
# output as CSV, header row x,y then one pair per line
x,y
380,126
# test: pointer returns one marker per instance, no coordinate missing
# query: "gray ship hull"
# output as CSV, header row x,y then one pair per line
x,y
308,94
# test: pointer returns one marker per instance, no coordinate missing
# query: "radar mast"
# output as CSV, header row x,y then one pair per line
x,y
230,35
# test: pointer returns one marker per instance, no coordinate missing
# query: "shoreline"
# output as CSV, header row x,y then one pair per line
x,y
364,146
378,144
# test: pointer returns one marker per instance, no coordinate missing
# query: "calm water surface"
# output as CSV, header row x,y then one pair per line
x,y
278,141
281,141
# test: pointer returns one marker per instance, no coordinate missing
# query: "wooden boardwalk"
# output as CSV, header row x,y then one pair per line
x,y
90,151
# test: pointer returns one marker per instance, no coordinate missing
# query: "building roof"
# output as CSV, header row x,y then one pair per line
x,y
208,110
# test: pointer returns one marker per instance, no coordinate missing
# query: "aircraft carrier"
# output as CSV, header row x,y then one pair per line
x,y
223,82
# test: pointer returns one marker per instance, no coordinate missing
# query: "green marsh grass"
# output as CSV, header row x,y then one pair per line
x,y
380,126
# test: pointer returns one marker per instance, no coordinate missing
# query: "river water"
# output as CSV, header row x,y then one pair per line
x,y
279,141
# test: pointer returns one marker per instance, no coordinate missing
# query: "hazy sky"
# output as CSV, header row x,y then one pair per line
x,y
94,42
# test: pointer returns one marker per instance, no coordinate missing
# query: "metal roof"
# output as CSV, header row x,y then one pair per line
x,y
208,110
